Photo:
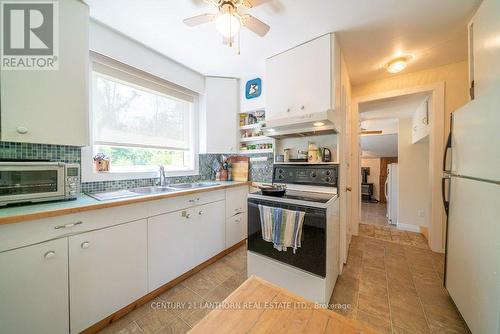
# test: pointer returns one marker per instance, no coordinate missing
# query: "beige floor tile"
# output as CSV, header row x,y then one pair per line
x,y
130,328
178,326
155,320
219,293
219,271
374,321
181,298
193,315
201,283
409,319
374,303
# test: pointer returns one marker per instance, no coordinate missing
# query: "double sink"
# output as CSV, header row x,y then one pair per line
x,y
151,190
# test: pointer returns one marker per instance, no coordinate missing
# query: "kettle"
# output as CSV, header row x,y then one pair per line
x,y
326,154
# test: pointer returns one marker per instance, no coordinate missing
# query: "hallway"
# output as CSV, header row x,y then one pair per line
x,y
374,213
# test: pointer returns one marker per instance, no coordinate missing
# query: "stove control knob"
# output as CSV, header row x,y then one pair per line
x,y
328,179
280,177
280,171
313,175
328,173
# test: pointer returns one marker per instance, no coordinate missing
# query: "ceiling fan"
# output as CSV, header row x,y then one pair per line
x,y
229,19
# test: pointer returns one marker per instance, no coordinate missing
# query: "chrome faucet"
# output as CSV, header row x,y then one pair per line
x,y
163,179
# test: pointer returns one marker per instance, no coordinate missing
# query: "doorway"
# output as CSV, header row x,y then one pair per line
x,y
426,216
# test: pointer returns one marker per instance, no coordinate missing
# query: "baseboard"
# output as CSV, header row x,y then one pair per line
x,y
155,293
425,231
408,227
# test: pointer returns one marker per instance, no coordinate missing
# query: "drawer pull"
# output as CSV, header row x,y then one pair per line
x,y
49,255
194,200
200,212
67,225
85,244
185,214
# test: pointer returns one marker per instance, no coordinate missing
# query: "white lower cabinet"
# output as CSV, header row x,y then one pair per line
x,y
236,229
181,240
34,289
107,271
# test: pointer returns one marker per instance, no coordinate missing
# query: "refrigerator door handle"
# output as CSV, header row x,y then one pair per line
x,y
386,193
446,203
445,156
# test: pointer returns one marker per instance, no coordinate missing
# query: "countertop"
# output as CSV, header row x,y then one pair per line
x,y
258,306
16,214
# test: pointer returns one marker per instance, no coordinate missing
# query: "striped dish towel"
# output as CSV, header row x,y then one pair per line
x,y
281,227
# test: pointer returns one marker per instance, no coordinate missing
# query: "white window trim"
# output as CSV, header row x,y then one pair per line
x,y
87,153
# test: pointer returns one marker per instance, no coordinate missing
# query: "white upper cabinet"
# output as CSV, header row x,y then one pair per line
x,y
302,80
51,106
219,116
484,45
34,289
420,123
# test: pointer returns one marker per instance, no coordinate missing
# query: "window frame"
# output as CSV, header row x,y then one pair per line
x,y
88,152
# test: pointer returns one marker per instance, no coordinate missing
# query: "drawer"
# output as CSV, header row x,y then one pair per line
x,y
236,229
236,200
31,232
182,202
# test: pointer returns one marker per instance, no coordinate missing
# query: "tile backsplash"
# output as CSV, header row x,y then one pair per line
x,y
260,171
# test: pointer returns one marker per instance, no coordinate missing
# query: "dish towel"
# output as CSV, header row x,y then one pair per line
x,y
281,227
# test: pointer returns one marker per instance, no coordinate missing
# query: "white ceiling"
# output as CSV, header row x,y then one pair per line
x,y
378,146
370,32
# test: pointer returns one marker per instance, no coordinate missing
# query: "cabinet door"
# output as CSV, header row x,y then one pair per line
x,y
220,120
171,246
299,80
236,229
210,233
34,289
236,200
107,271
52,105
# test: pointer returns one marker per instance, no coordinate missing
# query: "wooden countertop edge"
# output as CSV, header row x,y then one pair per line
x,y
104,205
349,322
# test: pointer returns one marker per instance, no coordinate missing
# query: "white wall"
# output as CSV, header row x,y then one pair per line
x,y
256,103
113,44
414,195
374,177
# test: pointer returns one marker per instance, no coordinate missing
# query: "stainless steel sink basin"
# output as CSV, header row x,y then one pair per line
x,y
195,185
151,190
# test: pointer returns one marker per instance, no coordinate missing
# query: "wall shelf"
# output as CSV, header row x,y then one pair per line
x,y
267,150
251,126
258,138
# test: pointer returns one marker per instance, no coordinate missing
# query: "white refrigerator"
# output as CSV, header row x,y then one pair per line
x,y
471,196
391,193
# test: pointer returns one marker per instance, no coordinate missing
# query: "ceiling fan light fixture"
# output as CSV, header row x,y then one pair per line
x,y
228,25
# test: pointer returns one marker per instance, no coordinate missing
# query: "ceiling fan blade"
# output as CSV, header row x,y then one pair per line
x,y
255,25
199,19
254,3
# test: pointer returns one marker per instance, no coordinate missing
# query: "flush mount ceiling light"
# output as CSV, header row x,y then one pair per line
x,y
229,20
398,64
318,124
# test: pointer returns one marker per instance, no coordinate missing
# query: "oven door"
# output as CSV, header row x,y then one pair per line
x,y
26,182
311,256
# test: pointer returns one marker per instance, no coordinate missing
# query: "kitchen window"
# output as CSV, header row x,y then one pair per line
x,y
140,122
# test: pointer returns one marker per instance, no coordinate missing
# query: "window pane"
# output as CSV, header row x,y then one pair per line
x,y
131,158
129,115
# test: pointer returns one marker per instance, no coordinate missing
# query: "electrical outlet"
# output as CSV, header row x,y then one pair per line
x,y
421,213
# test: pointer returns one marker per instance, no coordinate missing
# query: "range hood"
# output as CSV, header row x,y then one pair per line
x,y
301,125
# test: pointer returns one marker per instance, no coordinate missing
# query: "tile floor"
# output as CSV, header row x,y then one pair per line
x,y
390,233
396,288
181,307
374,213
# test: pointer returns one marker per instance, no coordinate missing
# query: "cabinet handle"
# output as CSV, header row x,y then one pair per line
x,y
288,110
194,200
22,130
85,244
49,255
68,225
302,107
200,212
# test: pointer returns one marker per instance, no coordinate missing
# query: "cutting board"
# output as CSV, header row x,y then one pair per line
x,y
240,168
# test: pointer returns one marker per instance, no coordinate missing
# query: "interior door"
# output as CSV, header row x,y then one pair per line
x,y
34,289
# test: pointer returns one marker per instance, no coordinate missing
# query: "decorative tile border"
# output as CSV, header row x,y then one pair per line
x,y
260,171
